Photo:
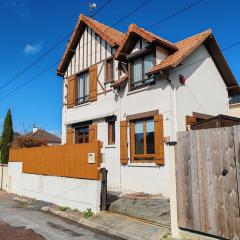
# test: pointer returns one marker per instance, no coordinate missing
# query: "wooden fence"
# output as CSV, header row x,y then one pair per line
x,y
70,160
208,181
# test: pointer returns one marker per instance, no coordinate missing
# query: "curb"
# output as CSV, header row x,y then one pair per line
x,y
90,224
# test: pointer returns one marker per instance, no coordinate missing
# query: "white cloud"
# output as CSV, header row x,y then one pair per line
x,y
31,49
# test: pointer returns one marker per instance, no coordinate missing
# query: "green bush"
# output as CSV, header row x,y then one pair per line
x,y
88,213
62,208
7,137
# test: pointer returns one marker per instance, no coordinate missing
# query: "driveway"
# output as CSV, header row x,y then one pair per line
x,y
18,223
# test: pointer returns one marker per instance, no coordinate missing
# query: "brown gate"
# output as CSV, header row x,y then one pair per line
x,y
208,181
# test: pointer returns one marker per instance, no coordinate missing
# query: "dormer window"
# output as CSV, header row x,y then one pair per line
x,y
139,67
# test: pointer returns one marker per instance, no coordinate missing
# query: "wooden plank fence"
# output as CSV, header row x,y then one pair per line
x,y
70,160
208,181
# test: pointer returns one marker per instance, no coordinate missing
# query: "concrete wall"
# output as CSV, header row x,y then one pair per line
x,y
70,192
4,176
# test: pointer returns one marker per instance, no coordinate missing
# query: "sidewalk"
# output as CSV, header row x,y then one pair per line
x,y
117,225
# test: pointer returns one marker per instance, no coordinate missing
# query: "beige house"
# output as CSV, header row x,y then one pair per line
x,y
234,106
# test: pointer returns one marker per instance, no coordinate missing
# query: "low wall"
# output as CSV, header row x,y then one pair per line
x,y
4,176
70,192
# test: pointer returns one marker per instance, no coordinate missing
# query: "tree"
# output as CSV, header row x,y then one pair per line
x,y
7,137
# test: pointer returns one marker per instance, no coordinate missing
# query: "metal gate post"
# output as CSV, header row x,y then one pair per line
x,y
103,172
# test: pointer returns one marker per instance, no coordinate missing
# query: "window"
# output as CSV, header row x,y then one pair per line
x,y
82,134
82,88
139,68
111,133
142,139
109,70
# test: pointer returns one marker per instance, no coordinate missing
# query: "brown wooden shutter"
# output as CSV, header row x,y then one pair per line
x,y
93,133
71,91
93,83
70,136
159,139
123,142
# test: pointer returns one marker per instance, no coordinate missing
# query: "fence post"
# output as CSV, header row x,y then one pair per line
x,y
103,172
173,193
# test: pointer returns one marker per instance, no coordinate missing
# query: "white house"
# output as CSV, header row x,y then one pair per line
x,y
133,92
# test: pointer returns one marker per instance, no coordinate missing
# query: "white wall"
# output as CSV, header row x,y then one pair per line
x,y
69,192
4,176
204,90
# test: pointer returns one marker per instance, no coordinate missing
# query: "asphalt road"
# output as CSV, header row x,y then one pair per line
x,y
18,223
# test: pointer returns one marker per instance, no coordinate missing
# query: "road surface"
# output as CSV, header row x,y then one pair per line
x,y
20,223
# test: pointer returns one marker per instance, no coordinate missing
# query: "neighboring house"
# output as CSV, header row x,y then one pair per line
x,y
44,136
234,106
133,92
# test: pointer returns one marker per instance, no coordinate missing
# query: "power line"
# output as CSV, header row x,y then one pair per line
x,y
41,73
27,82
48,51
231,46
175,13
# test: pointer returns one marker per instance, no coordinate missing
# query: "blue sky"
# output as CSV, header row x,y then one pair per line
x,y
29,28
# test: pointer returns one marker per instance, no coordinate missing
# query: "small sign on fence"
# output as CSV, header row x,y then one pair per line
x,y
91,158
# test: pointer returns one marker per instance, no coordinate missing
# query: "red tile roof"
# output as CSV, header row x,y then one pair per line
x,y
150,37
185,48
110,35
42,135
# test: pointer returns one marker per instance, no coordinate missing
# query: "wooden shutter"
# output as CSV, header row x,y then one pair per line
x,y
190,120
123,142
159,139
70,136
71,91
93,133
93,83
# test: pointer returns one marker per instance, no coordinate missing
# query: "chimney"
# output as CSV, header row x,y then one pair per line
x,y
35,128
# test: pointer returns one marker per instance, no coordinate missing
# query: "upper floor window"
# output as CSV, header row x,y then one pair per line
x,y
109,70
139,68
82,95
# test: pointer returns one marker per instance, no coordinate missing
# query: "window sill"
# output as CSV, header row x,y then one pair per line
x,y
141,164
141,89
111,146
81,105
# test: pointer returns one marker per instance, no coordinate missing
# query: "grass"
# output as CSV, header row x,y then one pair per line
x,y
62,208
88,213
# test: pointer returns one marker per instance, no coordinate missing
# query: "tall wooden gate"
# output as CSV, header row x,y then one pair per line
x,y
208,181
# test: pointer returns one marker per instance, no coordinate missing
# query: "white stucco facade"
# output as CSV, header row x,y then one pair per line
x,y
204,92
74,193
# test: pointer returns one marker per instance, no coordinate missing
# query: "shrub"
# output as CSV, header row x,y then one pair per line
x,y
62,208
7,137
88,213
27,142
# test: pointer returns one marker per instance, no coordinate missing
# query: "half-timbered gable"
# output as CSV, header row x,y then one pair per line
x,y
88,64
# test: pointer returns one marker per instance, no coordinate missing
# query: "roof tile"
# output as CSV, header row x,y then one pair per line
x,y
185,48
